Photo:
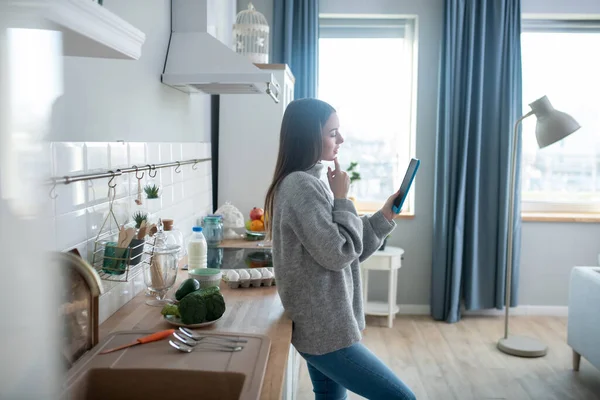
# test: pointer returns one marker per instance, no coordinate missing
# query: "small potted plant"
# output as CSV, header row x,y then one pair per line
x,y
354,176
139,217
152,191
153,200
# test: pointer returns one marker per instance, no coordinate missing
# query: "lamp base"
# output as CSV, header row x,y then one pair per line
x,y
522,346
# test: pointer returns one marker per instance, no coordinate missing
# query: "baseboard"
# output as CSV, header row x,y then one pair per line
x,y
414,309
550,311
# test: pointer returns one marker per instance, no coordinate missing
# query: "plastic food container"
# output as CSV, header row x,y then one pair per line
x,y
207,277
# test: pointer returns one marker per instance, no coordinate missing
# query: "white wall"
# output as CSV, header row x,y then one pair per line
x,y
545,260
109,100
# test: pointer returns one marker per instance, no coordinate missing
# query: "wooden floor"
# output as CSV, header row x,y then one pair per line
x,y
441,361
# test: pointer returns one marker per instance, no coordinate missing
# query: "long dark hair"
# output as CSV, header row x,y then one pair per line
x,y
300,144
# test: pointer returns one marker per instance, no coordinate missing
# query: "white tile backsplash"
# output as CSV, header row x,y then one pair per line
x,y
118,156
137,154
190,188
205,149
167,196
71,229
176,152
96,156
153,153
189,151
70,198
178,193
98,189
96,217
81,207
166,176
68,158
165,153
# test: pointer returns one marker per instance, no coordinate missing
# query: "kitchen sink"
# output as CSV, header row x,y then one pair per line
x,y
156,370
159,384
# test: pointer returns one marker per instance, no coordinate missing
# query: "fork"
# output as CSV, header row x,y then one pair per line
x,y
193,335
188,349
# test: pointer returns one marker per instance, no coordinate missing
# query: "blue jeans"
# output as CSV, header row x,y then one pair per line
x,y
357,369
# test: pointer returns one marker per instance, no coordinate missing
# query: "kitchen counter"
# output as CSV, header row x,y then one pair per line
x,y
245,244
249,310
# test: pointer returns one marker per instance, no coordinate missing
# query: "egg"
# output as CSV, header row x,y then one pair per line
x,y
255,274
233,276
244,274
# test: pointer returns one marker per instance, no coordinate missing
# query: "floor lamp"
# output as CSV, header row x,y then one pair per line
x,y
552,126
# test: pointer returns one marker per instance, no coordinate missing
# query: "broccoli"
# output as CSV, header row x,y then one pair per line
x,y
170,309
203,305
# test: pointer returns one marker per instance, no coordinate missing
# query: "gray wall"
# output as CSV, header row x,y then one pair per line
x,y
108,100
415,235
549,250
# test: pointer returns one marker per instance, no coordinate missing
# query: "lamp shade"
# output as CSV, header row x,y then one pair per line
x,y
552,125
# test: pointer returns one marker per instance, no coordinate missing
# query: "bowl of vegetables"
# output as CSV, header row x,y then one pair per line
x,y
195,307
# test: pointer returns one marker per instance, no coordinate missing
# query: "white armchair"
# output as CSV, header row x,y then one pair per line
x,y
583,330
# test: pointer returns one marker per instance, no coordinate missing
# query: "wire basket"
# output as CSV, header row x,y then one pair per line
x,y
114,263
120,264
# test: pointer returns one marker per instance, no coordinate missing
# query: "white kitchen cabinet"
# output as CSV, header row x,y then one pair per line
x,y
249,126
292,375
88,29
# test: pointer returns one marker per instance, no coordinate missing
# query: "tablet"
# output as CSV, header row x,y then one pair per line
x,y
413,166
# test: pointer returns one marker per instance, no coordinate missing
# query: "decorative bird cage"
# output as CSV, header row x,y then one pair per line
x,y
251,35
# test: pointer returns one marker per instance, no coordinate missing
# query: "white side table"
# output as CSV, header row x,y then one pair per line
x,y
389,260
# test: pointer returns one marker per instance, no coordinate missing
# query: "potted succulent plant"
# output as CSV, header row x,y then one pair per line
x,y
139,217
152,191
153,201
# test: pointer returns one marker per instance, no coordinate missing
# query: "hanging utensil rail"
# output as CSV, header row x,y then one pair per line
x,y
118,172
65,180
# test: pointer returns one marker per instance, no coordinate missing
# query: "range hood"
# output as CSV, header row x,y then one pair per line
x,y
199,62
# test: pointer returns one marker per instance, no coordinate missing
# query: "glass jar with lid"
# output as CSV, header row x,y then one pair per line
x,y
213,229
174,237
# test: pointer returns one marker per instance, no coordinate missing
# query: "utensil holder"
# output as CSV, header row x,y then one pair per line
x,y
136,249
115,259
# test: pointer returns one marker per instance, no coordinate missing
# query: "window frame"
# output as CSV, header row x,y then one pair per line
x,y
550,210
384,23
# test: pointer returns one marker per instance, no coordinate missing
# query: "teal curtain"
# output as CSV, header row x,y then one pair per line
x,y
479,102
296,40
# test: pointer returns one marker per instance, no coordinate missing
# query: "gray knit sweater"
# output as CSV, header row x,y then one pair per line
x,y
318,243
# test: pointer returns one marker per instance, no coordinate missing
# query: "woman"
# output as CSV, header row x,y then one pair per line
x,y
318,242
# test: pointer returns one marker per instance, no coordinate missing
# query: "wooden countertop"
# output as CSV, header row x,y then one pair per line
x,y
249,310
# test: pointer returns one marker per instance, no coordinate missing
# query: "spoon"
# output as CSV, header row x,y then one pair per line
x,y
188,349
193,335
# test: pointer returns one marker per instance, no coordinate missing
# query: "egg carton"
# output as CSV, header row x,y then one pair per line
x,y
247,283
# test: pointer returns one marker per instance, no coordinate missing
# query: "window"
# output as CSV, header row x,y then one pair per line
x,y
561,59
366,73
